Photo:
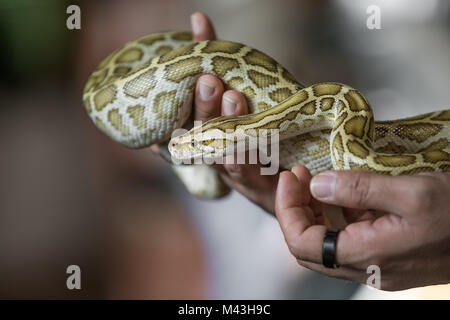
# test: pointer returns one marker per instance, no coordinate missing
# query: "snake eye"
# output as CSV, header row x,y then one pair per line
x,y
192,143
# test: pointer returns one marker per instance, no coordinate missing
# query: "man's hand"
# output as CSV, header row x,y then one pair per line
x,y
409,241
213,100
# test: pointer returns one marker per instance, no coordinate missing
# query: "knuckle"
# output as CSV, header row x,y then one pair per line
x,y
295,247
202,113
422,194
297,252
359,188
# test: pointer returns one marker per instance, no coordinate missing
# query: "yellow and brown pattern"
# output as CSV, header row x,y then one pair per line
x,y
142,92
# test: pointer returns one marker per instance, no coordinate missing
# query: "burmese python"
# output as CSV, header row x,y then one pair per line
x,y
142,92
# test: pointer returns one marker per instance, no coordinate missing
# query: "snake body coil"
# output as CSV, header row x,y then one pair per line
x,y
142,92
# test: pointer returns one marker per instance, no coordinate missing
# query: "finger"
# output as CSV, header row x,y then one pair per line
x,y
234,104
363,190
304,178
343,273
202,28
208,98
354,245
293,213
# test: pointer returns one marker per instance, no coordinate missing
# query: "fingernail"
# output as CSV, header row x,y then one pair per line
x,y
229,106
206,90
195,23
322,186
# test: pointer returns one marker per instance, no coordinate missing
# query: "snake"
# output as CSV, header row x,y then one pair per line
x,y
142,93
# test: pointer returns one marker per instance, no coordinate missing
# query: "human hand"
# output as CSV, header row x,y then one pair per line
x,y
409,242
213,100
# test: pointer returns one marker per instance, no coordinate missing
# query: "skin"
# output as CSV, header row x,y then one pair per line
x,y
408,237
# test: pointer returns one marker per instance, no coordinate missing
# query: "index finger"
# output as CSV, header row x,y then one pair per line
x,y
296,218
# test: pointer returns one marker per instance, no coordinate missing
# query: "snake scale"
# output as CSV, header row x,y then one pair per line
x,y
142,92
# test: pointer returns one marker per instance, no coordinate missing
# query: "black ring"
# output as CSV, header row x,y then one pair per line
x,y
329,248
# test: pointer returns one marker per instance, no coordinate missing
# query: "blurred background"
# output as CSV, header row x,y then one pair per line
x,y
69,195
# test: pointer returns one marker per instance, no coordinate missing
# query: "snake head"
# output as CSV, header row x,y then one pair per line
x,y
199,144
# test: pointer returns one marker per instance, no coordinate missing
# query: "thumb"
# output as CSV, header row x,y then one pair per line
x,y
362,190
